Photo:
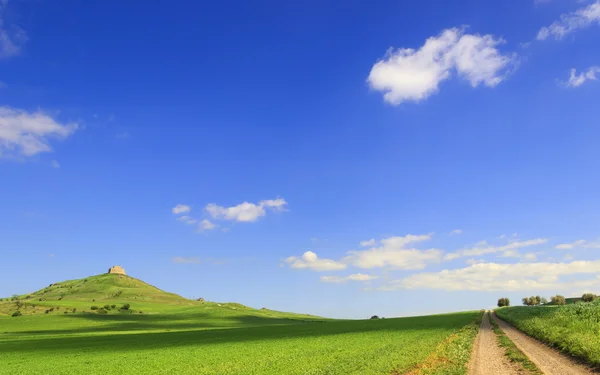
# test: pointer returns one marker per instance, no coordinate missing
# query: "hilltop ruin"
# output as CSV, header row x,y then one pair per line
x,y
117,269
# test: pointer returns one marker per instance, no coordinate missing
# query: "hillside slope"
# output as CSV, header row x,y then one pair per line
x,y
105,287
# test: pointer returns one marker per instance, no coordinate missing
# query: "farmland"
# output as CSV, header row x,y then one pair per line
x,y
193,337
574,328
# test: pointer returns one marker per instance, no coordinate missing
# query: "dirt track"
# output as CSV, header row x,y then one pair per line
x,y
549,360
488,358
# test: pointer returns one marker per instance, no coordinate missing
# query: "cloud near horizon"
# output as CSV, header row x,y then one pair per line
x,y
352,277
406,74
505,277
392,253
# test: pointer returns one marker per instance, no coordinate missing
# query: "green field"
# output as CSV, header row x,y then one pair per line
x,y
165,333
574,328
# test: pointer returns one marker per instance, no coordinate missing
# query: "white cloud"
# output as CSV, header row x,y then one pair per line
x,y
368,243
187,219
393,253
245,212
183,260
579,244
207,225
12,37
482,248
413,75
181,209
353,277
570,22
26,134
310,260
457,231
55,164
505,277
576,80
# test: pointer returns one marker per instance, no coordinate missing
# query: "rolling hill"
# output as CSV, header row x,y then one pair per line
x,y
108,293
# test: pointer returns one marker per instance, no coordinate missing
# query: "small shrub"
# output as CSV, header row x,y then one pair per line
x,y
141,312
51,309
588,297
94,308
16,313
66,312
113,306
374,317
74,310
558,300
102,311
125,306
106,307
46,312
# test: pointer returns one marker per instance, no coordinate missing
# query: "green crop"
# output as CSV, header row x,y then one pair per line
x,y
218,340
574,328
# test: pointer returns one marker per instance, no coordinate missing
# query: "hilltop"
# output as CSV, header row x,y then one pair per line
x,y
103,287
107,293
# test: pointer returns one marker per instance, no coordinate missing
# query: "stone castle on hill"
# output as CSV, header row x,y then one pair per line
x,y
118,270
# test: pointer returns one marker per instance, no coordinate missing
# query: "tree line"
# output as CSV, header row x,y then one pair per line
x,y
554,300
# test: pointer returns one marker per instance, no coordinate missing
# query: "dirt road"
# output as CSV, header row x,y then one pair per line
x,y
488,358
550,361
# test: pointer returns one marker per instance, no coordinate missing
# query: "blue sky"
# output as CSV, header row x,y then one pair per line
x,y
336,158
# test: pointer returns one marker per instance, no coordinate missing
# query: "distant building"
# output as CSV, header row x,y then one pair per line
x,y
117,269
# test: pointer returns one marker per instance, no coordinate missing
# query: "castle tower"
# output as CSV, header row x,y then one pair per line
x,y
117,269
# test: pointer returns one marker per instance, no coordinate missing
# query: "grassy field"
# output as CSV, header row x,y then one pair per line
x,y
179,336
574,328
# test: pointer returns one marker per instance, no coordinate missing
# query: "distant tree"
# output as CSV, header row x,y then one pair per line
x,y
374,317
589,297
502,302
525,301
538,300
544,300
558,300
532,301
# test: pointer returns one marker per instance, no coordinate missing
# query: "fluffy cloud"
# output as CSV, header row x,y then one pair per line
x,y
393,253
246,212
576,80
207,225
482,248
506,277
181,209
187,219
310,260
182,260
456,231
412,75
353,277
12,37
579,244
25,133
368,243
570,22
